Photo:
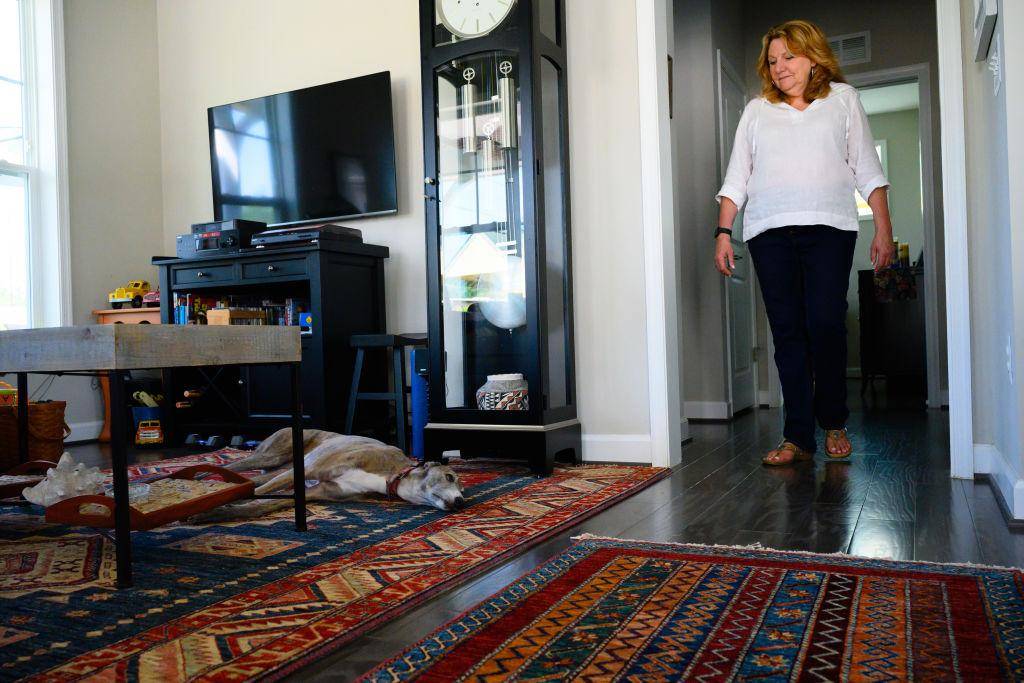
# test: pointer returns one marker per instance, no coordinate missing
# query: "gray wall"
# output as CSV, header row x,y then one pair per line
x,y
736,27
902,33
701,27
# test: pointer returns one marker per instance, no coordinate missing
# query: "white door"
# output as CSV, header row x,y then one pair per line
x,y
739,319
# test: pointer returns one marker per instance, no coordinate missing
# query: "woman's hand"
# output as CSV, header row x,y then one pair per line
x,y
724,259
881,246
881,250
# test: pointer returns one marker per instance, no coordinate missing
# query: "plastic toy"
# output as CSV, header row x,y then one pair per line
x,y
149,432
8,395
151,299
131,293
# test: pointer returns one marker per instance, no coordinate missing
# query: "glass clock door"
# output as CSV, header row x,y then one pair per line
x,y
482,255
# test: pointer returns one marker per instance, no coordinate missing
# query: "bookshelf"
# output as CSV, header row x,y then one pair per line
x,y
332,290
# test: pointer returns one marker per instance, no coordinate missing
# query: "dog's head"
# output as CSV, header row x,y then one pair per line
x,y
438,485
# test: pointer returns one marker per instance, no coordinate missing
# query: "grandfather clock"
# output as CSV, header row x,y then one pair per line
x,y
499,282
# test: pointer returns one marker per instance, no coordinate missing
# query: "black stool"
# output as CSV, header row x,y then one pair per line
x,y
398,344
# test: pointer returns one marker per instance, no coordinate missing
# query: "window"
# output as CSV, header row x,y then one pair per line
x,y
863,210
34,273
15,166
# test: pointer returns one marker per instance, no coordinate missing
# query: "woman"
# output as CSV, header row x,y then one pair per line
x,y
800,151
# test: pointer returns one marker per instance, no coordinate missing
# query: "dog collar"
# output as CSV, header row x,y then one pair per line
x,y
396,480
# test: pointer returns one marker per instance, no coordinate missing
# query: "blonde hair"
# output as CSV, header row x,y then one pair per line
x,y
808,40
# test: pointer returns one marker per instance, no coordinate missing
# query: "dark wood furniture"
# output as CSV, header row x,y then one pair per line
x,y
892,338
343,282
397,343
499,270
116,349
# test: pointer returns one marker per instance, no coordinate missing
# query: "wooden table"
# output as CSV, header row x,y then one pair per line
x,y
116,349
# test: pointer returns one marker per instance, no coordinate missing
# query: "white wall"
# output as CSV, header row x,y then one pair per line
x,y
113,166
216,52
994,257
611,348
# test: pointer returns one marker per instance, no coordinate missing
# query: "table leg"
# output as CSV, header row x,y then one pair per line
x,y
119,470
104,436
298,457
23,417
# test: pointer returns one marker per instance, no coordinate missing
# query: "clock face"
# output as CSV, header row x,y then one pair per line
x,y
473,18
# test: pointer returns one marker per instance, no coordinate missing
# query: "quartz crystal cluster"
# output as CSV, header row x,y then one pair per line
x,y
66,480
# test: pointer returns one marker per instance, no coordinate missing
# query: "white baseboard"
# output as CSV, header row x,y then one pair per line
x,y
707,410
853,373
632,448
990,461
85,431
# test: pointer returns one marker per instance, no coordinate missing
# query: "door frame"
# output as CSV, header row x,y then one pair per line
x,y
954,210
661,268
724,68
921,74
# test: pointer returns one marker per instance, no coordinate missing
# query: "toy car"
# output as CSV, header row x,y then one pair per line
x,y
151,299
131,293
149,431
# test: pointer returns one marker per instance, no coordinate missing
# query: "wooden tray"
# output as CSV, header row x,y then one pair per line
x,y
30,473
170,499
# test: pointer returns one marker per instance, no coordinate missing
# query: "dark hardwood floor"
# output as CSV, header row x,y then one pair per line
x,y
894,498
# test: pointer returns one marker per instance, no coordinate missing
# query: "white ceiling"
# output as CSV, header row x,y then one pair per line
x,y
889,98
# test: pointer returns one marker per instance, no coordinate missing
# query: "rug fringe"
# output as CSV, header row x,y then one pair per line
x,y
759,546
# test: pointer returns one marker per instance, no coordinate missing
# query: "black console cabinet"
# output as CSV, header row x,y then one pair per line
x,y
344,285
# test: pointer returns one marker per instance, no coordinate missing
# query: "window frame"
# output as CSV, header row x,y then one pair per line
x,y
44,164
28,168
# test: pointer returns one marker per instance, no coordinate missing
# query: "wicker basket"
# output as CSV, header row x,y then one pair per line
x,y
46,432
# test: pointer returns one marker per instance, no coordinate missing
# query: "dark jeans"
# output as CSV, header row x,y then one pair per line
x,y
804,271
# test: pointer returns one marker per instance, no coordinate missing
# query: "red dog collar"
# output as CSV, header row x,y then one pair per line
x,y
396,480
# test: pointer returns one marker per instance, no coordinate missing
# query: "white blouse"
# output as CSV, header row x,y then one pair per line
x,y
793,167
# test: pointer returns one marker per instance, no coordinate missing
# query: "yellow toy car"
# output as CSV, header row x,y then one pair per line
x,y
149,431
131,293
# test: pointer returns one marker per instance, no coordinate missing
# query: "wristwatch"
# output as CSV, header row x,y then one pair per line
x,y
722,231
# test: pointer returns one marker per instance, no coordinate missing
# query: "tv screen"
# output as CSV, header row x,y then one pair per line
x,y
309,155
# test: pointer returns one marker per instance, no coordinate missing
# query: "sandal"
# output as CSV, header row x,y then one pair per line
x,y
833,435
776,459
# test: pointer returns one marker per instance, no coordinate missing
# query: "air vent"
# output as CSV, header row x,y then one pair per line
x,y
852,48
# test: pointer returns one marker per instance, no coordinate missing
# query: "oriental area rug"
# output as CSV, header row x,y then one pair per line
x,y
246,600
612,610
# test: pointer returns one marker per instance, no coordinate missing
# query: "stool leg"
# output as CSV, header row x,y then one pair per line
x,y
400,416
351,413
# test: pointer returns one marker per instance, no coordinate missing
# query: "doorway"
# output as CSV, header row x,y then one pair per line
x,y
910,327
714,46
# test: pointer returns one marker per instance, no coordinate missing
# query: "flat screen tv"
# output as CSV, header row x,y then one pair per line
x,y
316,154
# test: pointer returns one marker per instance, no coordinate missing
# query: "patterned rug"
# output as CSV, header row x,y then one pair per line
x,y
612,610
246,600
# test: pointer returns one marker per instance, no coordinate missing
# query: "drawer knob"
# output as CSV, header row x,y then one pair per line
x,y
271,268
202,274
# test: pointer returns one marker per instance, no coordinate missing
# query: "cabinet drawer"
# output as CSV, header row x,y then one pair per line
x,y
275,268
198,275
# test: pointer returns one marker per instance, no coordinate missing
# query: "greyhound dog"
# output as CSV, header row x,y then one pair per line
x,y
344,467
